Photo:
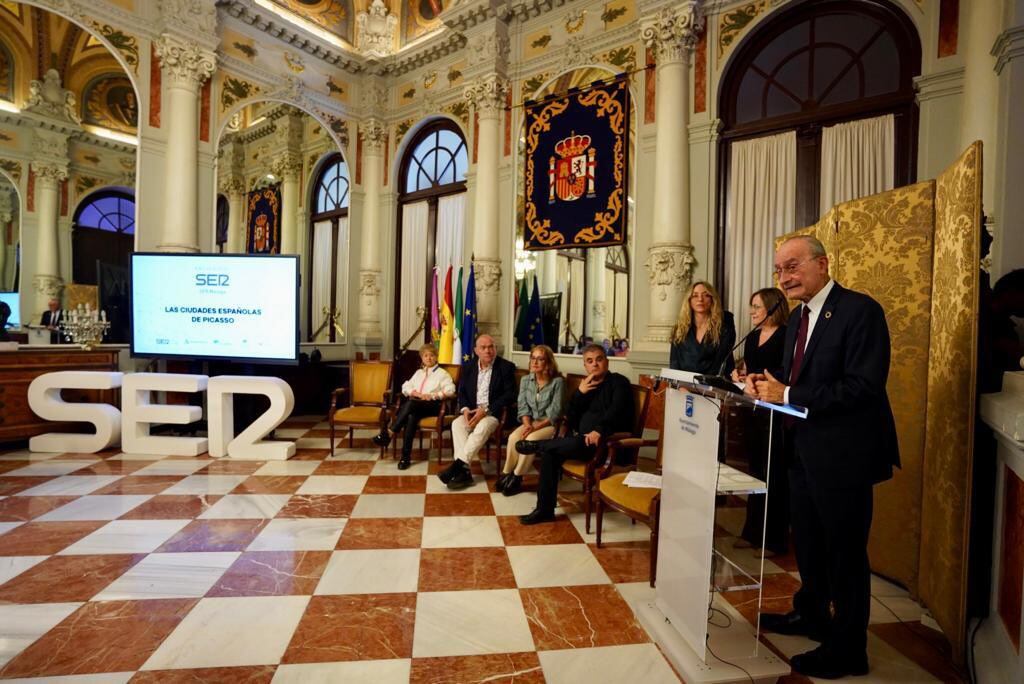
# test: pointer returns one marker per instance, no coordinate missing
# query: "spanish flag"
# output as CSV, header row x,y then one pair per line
x,y
444,352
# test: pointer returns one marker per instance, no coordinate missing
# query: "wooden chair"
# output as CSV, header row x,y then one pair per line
x,y
445,415
368,388
586,471
638,503
507,425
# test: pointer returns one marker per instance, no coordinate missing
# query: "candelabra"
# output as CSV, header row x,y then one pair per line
x,y
85,325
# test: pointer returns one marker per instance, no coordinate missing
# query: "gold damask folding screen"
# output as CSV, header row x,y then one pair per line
x,y
916,250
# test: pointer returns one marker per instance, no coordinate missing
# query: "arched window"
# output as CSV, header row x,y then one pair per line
x,y
111,210
431,220
329,252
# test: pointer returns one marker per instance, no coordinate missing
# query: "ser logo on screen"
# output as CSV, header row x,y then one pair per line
x,y
212,280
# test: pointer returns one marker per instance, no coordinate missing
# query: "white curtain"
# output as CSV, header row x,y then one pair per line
x,y
414,268
321,276
857,159
760,206
343,271
451,217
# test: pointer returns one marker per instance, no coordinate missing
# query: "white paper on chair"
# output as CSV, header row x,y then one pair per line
x,y
642,480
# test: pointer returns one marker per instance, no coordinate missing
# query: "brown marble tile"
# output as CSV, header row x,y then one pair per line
x,y
381,533
319,506
45,538
458,504
230,466
355,627
561,531
214,535
13,485
501,668
325,433
251,674
580,617
141,484
8,466
310,454
270,484
272,573
625,561
104,454
61,579
297,423
927,648
25,508
777,591
396,484
462,569
102,636
172,507
344,468
571,502
113,468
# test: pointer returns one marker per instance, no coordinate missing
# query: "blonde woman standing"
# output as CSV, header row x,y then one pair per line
x,y
540,405
704,334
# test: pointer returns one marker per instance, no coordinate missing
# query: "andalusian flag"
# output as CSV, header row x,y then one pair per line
x,y
457,314
444,350
435,313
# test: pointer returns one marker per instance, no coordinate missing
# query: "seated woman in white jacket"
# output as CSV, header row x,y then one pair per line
x,y
424,392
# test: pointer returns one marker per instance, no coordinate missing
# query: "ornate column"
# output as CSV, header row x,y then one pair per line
x,y
234,188
50,167
488,96
672,35
185,67
368,327
288,167
597,315
6,216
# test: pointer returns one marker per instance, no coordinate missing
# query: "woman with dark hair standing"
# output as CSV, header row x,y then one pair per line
x,y
704,334
763,351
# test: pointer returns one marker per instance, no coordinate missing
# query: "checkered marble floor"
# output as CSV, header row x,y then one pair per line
x,y
117,567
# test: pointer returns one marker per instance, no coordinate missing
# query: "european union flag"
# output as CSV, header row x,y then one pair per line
x,y
469,319
534,326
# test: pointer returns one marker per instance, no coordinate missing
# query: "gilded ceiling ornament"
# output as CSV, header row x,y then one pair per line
x,y
429,80
50,98
575,20
376,30
294,62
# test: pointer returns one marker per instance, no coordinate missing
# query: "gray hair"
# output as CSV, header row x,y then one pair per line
x,y
813,244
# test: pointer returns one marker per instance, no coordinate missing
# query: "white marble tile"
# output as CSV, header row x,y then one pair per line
x,y
12,566
333,484
127,536
389,467
359,672
435,486
345,454
389,506
170,466
102,678
460,623
377,571
8,526
520,504
169,575
20,625
50,467
903,608
885,662
123,456
461,531
102,507
316,442
225,632
238,506
630,663
880,615
206,484
288,468
289,433
299,534
26,455
71,485
883,589
749,559
555,565
616,528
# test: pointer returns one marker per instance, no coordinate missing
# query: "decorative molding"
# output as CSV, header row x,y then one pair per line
x,y
374,134
575,54
704,132
49,98
288,165
489,48
673,32
487,95
196,19
575,20
185,63
48,285
1008,47
940,84
488,275
732,23
376,31
670,267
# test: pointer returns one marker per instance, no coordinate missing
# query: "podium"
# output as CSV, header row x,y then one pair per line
x,y
692,573
38,334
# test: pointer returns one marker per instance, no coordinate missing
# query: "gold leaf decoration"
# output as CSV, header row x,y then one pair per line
x,y
731,23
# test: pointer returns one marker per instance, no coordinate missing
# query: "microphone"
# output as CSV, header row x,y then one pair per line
x,y
775,307
719,381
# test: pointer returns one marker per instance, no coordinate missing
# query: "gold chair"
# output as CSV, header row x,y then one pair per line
x,y
585,471
445,415
638,503
508,423
368,384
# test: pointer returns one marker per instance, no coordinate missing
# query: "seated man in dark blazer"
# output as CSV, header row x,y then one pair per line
x,y
603,405
487,386
835,364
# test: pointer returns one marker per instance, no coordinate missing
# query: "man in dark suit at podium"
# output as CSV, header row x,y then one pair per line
x,y
835,364
51,319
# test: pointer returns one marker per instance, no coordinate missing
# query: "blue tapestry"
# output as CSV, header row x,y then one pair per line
x,y
576,172
263,231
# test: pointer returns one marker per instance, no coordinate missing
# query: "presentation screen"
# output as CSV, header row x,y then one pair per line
x,y
12,301
236,307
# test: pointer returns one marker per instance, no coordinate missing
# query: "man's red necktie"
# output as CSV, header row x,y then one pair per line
x,y
801,342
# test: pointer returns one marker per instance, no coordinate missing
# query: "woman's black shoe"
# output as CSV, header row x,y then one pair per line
x,y
513,486
382,439
499,486
404,463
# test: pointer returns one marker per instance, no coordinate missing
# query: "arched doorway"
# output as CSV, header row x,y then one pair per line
x,y
329,245
431,220
103,238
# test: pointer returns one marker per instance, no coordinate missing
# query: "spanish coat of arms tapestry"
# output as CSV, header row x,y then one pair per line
x,y
263,232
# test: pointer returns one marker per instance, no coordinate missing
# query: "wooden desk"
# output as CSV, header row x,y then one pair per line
x,y
19,368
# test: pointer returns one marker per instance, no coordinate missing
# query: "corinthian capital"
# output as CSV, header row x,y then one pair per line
x,y
673,32
487,95
288,165
184,62
374,135
49,172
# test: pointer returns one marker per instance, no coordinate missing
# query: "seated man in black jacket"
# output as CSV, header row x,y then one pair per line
x,y
602,406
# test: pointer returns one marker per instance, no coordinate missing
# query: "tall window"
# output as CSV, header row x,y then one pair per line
x,y
328,235
431,217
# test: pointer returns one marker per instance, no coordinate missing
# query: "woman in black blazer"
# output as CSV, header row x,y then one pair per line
x,y
704,334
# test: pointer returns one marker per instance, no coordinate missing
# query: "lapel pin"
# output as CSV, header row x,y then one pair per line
x,y
828,314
